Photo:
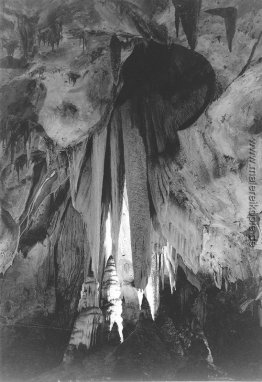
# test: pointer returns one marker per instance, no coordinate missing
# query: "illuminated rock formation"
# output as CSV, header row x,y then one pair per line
x,y
89,317
111,299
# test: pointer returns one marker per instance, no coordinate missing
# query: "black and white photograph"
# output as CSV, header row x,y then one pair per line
x,y
130,190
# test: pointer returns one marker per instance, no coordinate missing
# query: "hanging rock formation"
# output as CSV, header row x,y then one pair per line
x,y
229,14
135,165
188,12
117,179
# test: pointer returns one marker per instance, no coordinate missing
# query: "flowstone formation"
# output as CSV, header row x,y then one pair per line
x,y
131,185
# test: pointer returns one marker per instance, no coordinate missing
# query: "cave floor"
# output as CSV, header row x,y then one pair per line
x,y
36,355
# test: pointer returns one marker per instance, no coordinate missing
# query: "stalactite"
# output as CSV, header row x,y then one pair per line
x,y
189,11
140,295
105,225
138,199
171,263
117,179
111,298
162,269
191,277
229,14
108,238
187,241
152,291
92,217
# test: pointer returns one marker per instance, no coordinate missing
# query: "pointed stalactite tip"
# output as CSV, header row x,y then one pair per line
x,y
229,14
188,11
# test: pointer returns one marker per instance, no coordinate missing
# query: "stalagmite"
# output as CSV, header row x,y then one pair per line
x,y
138,198
89,317
117,179
111,298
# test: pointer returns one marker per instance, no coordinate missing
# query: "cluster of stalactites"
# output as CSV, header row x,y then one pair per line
x,y
171,259
111,298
